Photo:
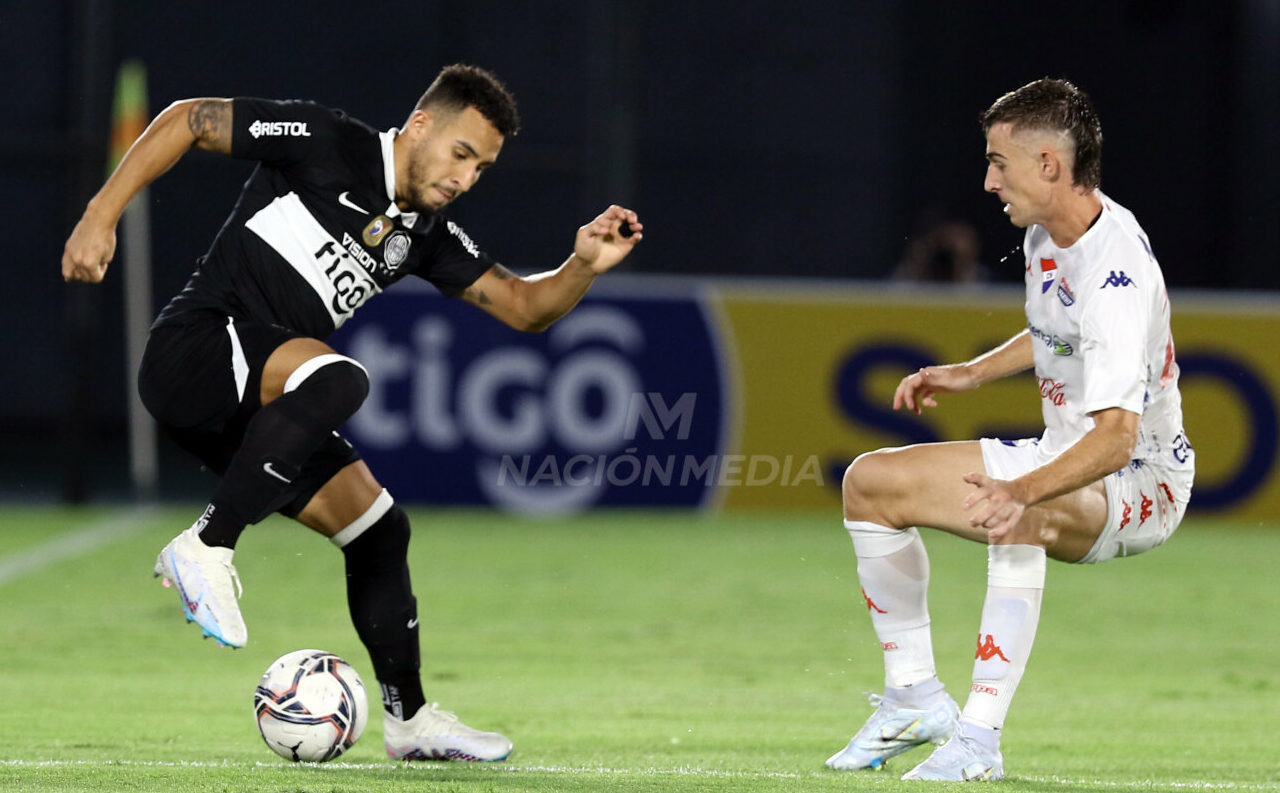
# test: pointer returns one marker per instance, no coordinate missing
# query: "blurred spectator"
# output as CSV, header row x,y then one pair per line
x,y
943,248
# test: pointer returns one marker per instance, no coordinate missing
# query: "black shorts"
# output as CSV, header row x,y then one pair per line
x,y
201,377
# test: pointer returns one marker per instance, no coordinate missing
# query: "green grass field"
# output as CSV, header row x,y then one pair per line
x,y
628,651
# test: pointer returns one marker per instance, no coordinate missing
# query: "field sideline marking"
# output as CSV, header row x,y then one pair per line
x,y
74,543
1145,784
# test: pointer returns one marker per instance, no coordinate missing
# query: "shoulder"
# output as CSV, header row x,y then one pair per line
x,y
1117,257
294,118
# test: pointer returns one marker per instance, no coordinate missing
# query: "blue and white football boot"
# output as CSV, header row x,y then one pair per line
x,y
972,755
434,734
207,584
894,729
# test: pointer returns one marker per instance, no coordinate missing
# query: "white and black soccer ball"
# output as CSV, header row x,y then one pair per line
x,y
310,706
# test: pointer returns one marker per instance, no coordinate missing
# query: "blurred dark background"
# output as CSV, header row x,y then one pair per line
x,y
805,139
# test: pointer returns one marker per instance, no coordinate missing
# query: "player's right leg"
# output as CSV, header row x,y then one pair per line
x,y
893,570
373,532
210,381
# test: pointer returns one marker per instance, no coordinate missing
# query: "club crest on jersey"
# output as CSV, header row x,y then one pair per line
x,y
1064,293
377,229
396,250
1048,269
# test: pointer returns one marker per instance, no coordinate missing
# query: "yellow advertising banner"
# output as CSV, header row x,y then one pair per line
x,y
817,367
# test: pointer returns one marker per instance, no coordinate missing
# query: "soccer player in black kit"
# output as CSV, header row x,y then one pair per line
x,y
236,369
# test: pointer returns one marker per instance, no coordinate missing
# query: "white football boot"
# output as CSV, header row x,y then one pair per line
x,y
894,729
204,578
972,755
434,734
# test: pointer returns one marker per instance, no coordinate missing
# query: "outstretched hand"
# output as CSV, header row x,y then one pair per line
x,y
995,505
602,244
916,390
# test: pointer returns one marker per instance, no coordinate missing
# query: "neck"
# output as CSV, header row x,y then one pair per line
x,y
1074,217
400,165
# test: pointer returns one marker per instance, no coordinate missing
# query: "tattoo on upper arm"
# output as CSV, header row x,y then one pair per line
x,y
476,295
210,121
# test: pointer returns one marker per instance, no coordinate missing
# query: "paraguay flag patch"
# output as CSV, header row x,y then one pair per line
x,y
1048,269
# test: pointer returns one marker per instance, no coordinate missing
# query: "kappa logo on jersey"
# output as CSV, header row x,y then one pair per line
x,y
1124,518
1116,279
377,229
1144,510
275,129
988,649
1048,270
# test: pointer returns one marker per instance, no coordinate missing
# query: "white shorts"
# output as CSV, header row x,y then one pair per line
x,y
1145,502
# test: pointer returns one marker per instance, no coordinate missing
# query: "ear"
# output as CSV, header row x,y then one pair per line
x,y
1051,165
419,123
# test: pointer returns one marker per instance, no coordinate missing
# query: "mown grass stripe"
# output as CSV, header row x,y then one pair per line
x,y
75,543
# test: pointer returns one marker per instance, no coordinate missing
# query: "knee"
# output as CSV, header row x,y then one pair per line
x,y
859,489
871,487
385,543
342,381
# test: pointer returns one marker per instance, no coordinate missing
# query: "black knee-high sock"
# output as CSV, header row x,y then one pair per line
x,y
384,610
279,439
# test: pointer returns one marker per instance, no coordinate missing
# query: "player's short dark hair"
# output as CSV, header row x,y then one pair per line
x,y
460,86
1055,106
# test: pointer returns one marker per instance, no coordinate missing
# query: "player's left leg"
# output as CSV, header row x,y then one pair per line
x,y
307,391
361,518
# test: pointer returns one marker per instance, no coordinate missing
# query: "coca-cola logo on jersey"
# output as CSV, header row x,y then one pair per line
x,y
1053,391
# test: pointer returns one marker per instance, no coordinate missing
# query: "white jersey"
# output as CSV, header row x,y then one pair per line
x,y
1098,314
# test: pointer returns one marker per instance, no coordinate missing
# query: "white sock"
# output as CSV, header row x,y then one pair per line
x,y
893,569
1015,585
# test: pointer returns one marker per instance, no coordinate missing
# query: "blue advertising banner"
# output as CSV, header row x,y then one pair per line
x,y
623,402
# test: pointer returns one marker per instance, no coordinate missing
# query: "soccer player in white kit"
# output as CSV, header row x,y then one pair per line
x,y
1110,476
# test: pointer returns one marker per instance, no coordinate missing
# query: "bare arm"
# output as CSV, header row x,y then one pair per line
x,y
532,303
916,390
203,123
998,505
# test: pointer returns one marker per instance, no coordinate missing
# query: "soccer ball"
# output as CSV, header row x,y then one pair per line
x,y
310,706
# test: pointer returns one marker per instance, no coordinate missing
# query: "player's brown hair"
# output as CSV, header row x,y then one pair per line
x,y
460,86
1056,106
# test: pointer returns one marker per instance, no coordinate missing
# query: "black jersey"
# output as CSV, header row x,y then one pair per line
x,y
316,231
